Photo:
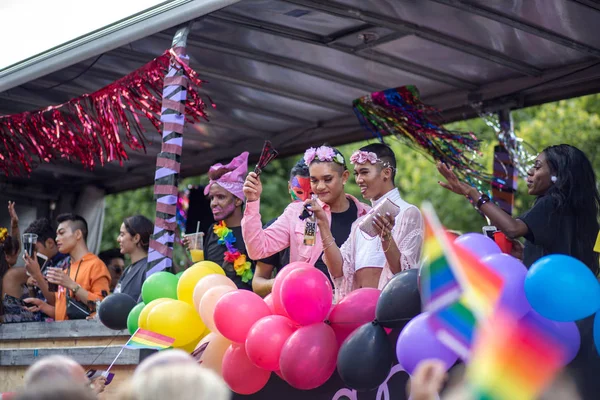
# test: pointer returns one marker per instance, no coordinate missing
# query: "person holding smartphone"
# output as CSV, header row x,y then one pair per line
x,y
365,261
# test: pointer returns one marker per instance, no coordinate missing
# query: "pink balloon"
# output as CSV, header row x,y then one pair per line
x,y
276,290
269,301
279,375
236,312
209,303
309,356
266,339
353,311
209,282
306,295
240,374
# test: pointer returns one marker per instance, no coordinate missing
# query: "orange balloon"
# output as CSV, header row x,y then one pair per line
x,y
208,303
209,282
212,357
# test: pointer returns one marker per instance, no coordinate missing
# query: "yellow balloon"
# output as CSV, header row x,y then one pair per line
x,y
212,265
143,318
191,346
191,276
178,320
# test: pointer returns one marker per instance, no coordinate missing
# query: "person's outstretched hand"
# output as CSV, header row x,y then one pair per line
x,y
252,187
452,183
14,218
427,381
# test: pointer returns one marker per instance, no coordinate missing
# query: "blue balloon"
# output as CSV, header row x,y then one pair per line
x,y
562,288
597,332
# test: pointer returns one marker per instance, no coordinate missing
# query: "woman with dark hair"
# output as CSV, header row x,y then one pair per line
x,y
134,240
564,218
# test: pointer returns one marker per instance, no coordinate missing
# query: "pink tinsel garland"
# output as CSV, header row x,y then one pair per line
x,y
86,128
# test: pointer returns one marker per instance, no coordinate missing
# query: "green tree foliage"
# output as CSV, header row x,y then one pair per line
x,y
573,121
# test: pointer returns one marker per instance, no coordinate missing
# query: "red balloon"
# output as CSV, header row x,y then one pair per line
x,y
306,295
353,311
240,374
309,356
266,339
276,290
269,302
236,312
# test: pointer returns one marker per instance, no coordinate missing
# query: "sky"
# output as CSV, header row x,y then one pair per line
x,y
31,27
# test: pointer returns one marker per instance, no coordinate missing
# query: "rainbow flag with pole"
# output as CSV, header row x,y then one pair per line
x,y
456,287
143,339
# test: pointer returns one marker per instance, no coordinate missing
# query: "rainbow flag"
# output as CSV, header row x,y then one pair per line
x,y
143,339
482,286
455,326
512,359
457,289
439,286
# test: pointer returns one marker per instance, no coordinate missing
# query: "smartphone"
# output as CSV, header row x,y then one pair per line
x,y
489,231
42,260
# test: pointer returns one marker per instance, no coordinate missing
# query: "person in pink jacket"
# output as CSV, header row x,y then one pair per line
x,y
328,175
365,261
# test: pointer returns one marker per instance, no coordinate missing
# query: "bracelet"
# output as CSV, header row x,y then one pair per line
x,y
328,245
76,289
484,198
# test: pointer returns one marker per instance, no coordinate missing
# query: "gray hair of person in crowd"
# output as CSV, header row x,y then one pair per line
x,y
165,357
181,382
61,390
55,369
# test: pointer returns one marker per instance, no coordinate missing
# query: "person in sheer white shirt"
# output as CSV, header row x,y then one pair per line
x,y
365,261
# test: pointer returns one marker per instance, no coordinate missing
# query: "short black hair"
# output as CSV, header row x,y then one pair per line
x,y
43,229
77,222
110,254
384,153
299,169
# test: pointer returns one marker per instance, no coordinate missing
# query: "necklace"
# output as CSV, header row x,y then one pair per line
x,y
241,266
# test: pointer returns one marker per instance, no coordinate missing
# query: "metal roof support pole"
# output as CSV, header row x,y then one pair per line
x,y
168,161
504,168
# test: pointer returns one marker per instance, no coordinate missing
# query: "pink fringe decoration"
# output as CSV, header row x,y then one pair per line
x,y
87,129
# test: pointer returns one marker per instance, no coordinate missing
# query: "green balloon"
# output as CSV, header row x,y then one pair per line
x,y
158,286
132,318
178,275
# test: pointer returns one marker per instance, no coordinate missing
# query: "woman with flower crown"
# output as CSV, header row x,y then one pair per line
x,y
224,243
328,175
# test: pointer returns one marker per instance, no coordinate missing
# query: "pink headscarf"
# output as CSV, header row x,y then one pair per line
x,y
233,180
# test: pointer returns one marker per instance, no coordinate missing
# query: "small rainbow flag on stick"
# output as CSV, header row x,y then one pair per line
x,y
512,359
143,339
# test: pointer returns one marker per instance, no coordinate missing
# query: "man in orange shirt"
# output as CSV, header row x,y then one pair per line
x,y
87,279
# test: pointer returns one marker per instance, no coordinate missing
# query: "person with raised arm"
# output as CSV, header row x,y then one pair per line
x,y
328,175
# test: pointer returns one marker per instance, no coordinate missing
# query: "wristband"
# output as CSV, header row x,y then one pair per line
x,y
484,198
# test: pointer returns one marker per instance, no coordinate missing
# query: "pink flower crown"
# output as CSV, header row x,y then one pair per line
x,y
323,153
362,157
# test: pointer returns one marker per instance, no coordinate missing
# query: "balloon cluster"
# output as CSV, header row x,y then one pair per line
x,y
298,334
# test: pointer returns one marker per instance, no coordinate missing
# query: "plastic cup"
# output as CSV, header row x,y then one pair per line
x,y
503,242
196,246
29,241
